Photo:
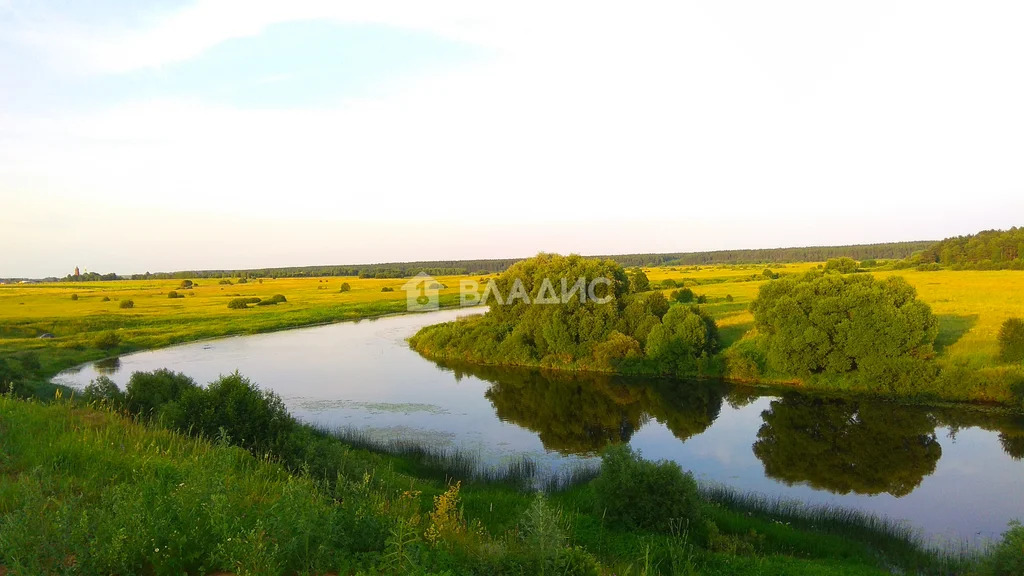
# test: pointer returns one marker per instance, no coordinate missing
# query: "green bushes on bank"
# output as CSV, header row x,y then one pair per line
x,y
640,494
833,325
578,313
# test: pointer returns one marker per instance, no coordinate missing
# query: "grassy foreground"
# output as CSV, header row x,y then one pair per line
x,y
89,491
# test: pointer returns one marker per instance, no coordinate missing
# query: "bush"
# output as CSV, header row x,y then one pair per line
x,y
1007,557
345,287
105,299
243,281
125,304
74,297
767,273
644,495
387,289
185,285
1011,340
103,390
841,265
225,282
836,324
638,281
107,340
172,295
252,418
275,299
242,303
683,295
729,298
147,392
685,336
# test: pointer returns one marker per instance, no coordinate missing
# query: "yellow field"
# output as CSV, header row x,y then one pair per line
x,y
970,305
26,311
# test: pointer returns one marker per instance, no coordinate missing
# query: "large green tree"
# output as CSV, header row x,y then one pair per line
x,y
837,324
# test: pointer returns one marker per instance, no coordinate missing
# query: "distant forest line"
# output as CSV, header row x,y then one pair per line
x,y
991,249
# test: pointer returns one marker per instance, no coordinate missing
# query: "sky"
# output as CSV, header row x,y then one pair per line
x,y
157,136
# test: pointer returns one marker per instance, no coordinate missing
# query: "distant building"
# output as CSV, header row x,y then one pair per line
x,y
77,273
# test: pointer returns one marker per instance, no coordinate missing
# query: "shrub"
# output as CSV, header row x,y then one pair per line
x,y
686,334
125,304
147,392
345,287
74,297
1011,340
185,285
644,495
769,274
638,281
841,265
835,324
729,298
683,295
105,299
1007,557
669,283
103,390
252,418
242,303
275,299
172,295
387,289
107,340
225,282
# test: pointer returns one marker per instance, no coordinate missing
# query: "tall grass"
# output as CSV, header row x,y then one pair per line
x,y
899,542
455,464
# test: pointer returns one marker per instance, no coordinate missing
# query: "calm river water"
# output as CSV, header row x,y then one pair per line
x,y
954,473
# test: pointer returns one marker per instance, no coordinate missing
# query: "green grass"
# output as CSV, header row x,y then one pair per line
x,y
86,491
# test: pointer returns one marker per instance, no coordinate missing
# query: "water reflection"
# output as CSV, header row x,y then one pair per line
x,y
847,446
581,413
107,366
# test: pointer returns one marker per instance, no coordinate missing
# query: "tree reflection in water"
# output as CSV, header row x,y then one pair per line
x,y
841,445
847,446
581,413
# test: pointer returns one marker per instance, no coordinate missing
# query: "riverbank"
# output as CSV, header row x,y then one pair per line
x,y
969,307
124,497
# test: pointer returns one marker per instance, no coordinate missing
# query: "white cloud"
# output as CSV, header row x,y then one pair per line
x,y
772,124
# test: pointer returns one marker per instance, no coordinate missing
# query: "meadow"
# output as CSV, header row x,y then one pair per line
x,y
970,306
78,315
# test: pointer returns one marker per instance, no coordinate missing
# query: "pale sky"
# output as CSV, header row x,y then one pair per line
x,y
232,134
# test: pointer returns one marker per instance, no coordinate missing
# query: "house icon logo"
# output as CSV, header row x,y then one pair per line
x,y
421,293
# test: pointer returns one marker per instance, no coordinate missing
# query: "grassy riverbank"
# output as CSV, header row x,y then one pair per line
x,y
85,490
969,306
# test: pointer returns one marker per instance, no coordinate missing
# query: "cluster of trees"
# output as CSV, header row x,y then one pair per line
x,y
842,325
90,277
612,329
987,250
887,251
